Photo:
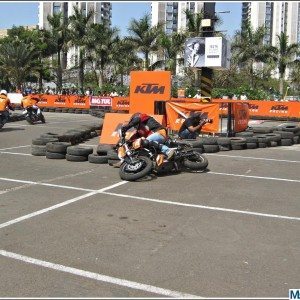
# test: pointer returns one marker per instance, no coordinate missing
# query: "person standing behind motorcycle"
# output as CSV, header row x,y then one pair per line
x,y
30,101
5,104
151,130
192,126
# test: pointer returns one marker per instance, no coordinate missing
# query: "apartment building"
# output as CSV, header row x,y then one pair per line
x,y
277,17
102,12
172,14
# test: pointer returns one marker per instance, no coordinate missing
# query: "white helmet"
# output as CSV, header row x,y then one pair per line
x,y
3,92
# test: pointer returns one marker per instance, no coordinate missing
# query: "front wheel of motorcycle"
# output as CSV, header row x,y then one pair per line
x,y
141,166
196,162
42,118
28,119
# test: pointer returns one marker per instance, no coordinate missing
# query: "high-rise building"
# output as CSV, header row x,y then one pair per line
x,y
102,12
172,14
277,17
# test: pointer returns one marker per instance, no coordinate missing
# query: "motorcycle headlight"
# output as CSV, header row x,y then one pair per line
x,y
121,152
137,144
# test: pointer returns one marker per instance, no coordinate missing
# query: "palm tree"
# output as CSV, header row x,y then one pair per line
x,y
173,47
58,37
101,47
16,61
295,76
125,58
284,55
144,36
248,48
194,23
80,26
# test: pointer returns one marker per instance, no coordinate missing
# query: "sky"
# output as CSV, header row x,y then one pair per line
x,y
22,14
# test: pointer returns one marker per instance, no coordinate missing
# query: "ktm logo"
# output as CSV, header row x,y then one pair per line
x,y
149,88
43,100
79,101
60,100
279,109
253,107
123,103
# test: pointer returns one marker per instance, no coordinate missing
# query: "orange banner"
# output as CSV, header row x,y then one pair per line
x,y
177,112
146,87
261,108
120,103
113,122
241,116
68,101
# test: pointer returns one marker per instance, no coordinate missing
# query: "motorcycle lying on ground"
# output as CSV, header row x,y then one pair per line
x,y
139,160
32,117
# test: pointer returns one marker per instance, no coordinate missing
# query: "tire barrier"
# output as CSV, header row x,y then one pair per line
x,y
56,146
59,146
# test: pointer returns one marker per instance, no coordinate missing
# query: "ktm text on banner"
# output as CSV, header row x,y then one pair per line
x,y
177,112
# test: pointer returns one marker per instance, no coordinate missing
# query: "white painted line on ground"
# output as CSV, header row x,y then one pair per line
x,y
47,184
256,177
258,158
98,277
15,153
42,211
204,207
3,149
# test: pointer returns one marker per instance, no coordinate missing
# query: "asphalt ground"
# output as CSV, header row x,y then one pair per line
x,y
71,229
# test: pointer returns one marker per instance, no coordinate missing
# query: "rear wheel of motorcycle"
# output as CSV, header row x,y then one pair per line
x,y
146,167
196,162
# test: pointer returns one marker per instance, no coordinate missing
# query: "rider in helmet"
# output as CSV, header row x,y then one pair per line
x,y
153,132
5,104
30,101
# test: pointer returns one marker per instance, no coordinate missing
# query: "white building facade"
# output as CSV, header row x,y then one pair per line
x,y
277,17
172,15
102,12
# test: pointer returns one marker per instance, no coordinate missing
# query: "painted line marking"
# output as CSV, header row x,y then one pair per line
x,y
3,149
258,158
204,207
45,210
15,153
256,177
48,184
98,277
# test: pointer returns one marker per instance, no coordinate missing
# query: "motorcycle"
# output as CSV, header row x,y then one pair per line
x,y
139,160
3,118
31,116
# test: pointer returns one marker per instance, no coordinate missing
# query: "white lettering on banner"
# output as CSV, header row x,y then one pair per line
x,y
100,101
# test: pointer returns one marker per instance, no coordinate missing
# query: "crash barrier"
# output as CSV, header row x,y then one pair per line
x,y
65,145
268,109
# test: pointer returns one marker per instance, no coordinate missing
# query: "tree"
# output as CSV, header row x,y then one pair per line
x,y
295,75
58,36
284,55
16,61
125,58
249,49
144,36
173,47
101,47
194,23
80,26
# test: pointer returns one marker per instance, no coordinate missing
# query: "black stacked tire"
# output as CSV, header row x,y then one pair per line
x,y
98,159
78,153
37,150
57,150
238,143
224,143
